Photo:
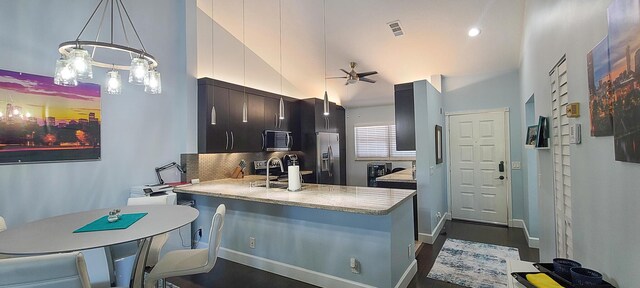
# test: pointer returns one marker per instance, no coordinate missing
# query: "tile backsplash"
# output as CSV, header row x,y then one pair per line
x,y
215,166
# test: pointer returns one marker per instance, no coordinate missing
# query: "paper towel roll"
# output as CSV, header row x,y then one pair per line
x,y
294,178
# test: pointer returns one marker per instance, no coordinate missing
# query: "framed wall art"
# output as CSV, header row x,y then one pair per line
x,y
44,122
438,144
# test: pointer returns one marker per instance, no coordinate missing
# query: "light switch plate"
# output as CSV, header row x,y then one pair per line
x,y
515,165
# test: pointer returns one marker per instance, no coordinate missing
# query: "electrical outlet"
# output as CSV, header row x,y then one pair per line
x,y
438,215
252,242
515,165
355,265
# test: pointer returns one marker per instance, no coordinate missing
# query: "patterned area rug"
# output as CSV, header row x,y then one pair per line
x,y
473,264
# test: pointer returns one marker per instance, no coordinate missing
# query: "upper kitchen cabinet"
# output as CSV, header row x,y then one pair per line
x,y
245,136
313,118
405,117
228,133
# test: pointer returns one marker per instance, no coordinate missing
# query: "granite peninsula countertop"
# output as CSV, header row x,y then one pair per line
x,y
404,176
361,200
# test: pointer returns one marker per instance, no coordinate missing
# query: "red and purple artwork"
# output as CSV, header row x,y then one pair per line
x,y
41,121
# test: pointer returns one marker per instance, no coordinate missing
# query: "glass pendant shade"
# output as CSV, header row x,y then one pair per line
x,y
153,83
281,110
138,71
244,111
65,75
114,82
81,62
213,115
326,104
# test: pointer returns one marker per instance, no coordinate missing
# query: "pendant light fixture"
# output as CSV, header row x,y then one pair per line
x,y
281,106
76,63
213,105
324,25
244,60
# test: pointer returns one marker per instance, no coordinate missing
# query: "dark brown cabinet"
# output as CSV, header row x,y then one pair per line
x,y
313,120
405,117
230,133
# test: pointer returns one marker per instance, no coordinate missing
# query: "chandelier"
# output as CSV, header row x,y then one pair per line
x,y
76,63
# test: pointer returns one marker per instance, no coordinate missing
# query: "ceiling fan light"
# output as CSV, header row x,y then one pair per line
x,y
65,75
81,62
153,83
473,32
114,82
138,70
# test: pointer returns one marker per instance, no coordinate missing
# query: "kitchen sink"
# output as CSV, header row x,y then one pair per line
x,y
273,184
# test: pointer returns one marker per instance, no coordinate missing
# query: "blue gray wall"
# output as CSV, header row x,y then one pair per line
x,y
493,92
605,193
139,131
431,178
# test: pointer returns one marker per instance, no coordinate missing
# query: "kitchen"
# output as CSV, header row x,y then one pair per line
x,y
281,65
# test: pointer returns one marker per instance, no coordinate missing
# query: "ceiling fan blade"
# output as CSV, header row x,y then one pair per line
x,y
343,77
345,71
365,74
367,80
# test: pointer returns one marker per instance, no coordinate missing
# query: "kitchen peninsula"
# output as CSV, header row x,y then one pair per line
x,y
313,234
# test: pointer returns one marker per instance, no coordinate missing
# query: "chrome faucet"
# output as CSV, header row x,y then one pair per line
x,y
269,164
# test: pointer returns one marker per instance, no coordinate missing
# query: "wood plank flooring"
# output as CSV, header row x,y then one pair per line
x,y
230,274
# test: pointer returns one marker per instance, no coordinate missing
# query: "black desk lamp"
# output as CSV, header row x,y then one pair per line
x,y
169,166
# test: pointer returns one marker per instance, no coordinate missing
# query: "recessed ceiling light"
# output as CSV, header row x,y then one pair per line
x,y
473,32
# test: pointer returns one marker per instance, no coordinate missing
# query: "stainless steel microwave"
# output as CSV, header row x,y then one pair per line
x,y
276,140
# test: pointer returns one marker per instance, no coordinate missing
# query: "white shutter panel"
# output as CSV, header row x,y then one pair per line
x,y
561,160
372,142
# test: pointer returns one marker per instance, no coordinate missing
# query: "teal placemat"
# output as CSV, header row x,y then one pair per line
x,y
102,224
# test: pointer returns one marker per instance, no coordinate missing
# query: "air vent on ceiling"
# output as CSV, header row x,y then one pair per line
x,y
396,28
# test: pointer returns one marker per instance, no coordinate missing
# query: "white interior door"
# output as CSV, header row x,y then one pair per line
x,y
478,187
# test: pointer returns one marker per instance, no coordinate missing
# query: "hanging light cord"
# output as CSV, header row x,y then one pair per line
x,y
212,47
324,31
126,13
280,8
244,58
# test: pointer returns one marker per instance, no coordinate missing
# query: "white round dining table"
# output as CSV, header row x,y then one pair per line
x,y
55,234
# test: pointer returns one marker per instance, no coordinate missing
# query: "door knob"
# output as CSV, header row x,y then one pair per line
x,y
501,177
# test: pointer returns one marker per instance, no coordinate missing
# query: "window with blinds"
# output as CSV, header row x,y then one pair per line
x,y
379,143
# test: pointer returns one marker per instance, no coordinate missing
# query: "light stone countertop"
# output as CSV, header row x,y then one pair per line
x,y
404,176
361,200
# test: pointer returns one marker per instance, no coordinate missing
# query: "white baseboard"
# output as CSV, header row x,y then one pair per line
x,y
299,273
533,242
408,275
431,238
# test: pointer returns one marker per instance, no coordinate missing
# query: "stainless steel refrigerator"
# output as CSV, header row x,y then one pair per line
x,y
328,158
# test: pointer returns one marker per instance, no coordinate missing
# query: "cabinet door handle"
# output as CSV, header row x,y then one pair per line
x,y
232,140
226,146
288,140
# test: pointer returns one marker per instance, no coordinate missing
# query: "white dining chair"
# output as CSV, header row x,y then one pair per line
x,y
3,226
189,262
122,256
47,271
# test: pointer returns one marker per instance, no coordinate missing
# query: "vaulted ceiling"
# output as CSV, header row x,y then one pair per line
x,y
435,40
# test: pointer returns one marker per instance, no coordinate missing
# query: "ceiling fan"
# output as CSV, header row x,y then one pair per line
x,y
353,77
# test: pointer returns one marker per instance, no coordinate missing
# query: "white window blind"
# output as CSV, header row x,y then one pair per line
x,y
395,153
379,142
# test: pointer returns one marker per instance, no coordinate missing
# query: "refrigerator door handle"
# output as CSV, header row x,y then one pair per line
x,y
330,166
